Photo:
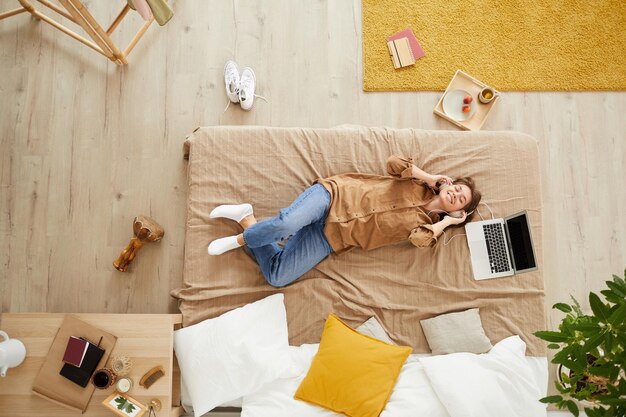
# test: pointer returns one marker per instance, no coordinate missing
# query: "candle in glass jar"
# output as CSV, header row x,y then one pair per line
x,y
124,385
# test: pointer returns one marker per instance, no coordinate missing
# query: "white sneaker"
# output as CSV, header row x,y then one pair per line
x,y
247,86
231,81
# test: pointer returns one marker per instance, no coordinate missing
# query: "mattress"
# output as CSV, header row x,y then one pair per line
x,y
399,284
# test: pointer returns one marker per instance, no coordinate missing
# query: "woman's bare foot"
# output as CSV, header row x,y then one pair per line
x,y
247,221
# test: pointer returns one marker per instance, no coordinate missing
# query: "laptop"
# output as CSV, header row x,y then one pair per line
x,y
501,247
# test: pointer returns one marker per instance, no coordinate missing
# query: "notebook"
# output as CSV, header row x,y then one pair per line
x,y
401,54
416,48
75,351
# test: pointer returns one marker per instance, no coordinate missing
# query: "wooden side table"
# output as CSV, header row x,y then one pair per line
x,y
148,339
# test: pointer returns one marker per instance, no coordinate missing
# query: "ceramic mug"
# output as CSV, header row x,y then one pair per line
x,y
487,95
103,378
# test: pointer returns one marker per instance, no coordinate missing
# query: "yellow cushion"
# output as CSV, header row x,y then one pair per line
x,y
352,373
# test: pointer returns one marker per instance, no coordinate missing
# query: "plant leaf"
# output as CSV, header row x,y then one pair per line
x,y
576,306
121,403
586,328
573,365
593,342
554,346
604,370
549,336
619,281
616,288
592,412
618,316
608,343
560,387
551,399
611,297
563,307
614,401
563,354
571,406
598,307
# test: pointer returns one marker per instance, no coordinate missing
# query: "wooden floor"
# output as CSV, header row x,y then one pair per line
x,y
86,145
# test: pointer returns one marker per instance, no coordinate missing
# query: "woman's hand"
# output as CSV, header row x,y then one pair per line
x,y
457,220
432,180
438,227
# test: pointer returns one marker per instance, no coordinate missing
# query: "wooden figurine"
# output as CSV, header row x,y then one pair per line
x,y
146,230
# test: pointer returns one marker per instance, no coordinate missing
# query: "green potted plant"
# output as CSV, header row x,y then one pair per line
x,y
591,355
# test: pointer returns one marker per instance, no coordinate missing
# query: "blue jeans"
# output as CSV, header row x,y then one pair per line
x,y
303,220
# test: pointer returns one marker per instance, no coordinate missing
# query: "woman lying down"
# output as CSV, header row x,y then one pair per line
x,y
350,211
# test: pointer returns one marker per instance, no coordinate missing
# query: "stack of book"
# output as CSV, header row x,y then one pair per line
x,y
404,48
81,359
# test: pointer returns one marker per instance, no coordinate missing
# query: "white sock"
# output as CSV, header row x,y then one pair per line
x,y
236,212
219,246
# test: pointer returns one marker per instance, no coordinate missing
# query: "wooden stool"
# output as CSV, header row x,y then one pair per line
x,y
76,12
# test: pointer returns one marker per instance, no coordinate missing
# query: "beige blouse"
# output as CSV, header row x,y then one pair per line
x,y
370,211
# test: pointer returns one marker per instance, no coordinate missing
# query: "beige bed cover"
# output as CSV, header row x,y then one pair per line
x,y
400,285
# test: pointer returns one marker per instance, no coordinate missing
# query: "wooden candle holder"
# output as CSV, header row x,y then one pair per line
x,y
145,230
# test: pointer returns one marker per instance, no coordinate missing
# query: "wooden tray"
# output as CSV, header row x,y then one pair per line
x,y
464,81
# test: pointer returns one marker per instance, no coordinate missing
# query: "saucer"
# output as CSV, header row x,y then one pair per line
x,y
453,105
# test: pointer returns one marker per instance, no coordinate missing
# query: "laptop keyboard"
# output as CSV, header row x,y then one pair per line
x,y
496,248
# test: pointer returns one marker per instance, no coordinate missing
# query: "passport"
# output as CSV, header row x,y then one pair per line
x,y
75,351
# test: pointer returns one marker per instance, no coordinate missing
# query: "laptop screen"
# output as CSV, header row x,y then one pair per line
x,y
521,242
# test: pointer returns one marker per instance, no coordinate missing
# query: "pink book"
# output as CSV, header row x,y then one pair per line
x,y
418,52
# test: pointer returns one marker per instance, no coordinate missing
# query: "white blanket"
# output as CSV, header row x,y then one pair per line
x,y
500,383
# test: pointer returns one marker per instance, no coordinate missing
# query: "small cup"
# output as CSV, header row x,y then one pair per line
x,y
487,95
103,378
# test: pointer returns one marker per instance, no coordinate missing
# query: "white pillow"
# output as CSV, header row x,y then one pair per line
x,y
276,398
185,401
412,395
495,384
227,357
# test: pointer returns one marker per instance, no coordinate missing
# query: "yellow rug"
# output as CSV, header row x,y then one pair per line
x,y
538,45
